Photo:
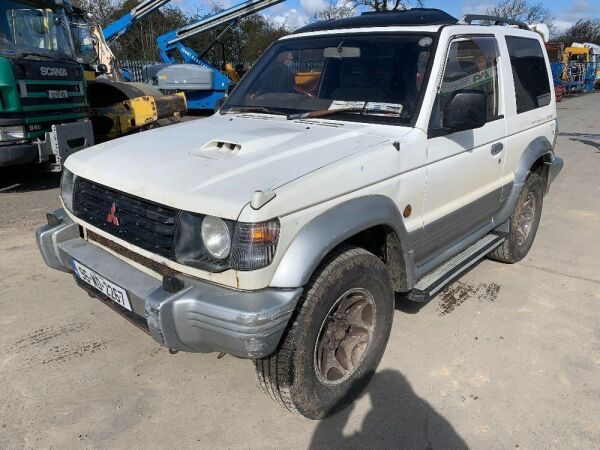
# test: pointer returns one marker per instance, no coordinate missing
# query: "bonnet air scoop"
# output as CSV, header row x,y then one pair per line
x,y
223,146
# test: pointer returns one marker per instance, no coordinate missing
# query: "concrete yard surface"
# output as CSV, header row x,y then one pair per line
x,y
507,356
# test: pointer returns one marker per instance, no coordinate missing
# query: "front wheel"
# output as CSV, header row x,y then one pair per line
x,y
523,222
335,340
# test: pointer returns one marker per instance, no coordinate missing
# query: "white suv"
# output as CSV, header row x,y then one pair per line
x,y
359,158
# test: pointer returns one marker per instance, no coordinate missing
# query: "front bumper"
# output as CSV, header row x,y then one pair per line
x,y
62,141
66,139
199,317
13,154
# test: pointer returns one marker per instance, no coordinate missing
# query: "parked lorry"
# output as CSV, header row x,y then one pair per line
x,y
43,100
281,228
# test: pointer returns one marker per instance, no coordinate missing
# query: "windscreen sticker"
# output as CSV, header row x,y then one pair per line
x,y
389,108
471,81
346,104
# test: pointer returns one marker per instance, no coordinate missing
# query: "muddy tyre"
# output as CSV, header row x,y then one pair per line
x,y
523,223
335,339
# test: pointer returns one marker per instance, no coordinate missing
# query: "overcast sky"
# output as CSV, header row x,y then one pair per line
x,y
295,13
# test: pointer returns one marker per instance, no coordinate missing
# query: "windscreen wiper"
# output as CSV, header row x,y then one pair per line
x,y
259,109
324,112
368,108
35,54
62,58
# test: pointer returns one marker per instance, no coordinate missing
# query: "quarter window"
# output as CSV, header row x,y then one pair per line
x,y
530,74
472,64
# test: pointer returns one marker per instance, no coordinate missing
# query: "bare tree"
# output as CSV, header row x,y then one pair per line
x,y
385,5
334,9
582,31
103,10
524,10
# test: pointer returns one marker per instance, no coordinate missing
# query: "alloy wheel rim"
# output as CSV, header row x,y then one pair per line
x,y
525,221
345,336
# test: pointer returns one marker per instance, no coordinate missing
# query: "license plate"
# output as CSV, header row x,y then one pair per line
x,y
58,94
108,288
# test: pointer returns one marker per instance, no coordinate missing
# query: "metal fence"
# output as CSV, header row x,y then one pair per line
x,y
135,68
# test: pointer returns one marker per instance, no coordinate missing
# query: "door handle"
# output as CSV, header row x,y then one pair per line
x,y
497,148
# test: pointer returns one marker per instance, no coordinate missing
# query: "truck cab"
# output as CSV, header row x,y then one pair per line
x,y
43,100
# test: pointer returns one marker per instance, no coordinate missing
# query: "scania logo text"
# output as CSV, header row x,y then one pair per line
x,y
53,71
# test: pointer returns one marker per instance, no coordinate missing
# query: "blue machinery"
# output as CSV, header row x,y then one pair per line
x,y
123,24
203,83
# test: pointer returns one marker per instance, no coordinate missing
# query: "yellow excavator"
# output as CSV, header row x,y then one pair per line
x,y
118,107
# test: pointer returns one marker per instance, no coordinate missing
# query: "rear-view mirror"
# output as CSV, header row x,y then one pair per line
x,y
341,52
101,69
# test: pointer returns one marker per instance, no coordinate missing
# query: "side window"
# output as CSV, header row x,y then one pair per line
x,y
530,75
471,65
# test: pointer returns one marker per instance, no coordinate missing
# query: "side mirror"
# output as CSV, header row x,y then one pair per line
x,y
231,87
101,69
466,110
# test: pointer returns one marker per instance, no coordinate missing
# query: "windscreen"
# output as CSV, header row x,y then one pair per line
x,y
369,77
29,30
83,40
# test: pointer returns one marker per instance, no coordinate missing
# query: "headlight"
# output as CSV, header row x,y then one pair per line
x,y
216,237
12,133
213,244
67,183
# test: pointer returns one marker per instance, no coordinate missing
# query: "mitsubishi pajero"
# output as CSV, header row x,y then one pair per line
x,y
359,159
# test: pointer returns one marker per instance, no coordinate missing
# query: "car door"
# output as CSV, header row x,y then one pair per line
x,y
464,168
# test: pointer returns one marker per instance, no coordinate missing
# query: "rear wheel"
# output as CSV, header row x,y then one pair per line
x,y
336,338
523,223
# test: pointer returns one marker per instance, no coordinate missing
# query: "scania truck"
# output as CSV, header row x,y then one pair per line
x,y
43,100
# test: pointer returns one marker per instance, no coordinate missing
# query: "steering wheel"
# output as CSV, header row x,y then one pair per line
x,y
299,90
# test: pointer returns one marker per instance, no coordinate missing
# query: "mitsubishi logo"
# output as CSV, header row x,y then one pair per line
x,y
112,215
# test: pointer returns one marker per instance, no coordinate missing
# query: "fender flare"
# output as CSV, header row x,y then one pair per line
x,y
540,146
537,148
328,230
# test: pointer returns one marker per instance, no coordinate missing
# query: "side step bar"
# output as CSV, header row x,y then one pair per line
x,y
434,281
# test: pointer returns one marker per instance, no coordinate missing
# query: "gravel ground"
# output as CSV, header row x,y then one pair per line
x,y
508,356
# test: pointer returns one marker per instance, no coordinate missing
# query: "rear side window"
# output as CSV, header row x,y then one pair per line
x,y
530,75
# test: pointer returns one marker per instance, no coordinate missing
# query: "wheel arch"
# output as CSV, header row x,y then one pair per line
x,y
537,156
371,222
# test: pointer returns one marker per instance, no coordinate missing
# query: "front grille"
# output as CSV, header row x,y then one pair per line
x,y
35,95
78,101
133,256
140,222
32,87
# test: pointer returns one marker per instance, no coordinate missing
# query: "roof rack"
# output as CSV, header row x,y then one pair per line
x,y
406,17
497,20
